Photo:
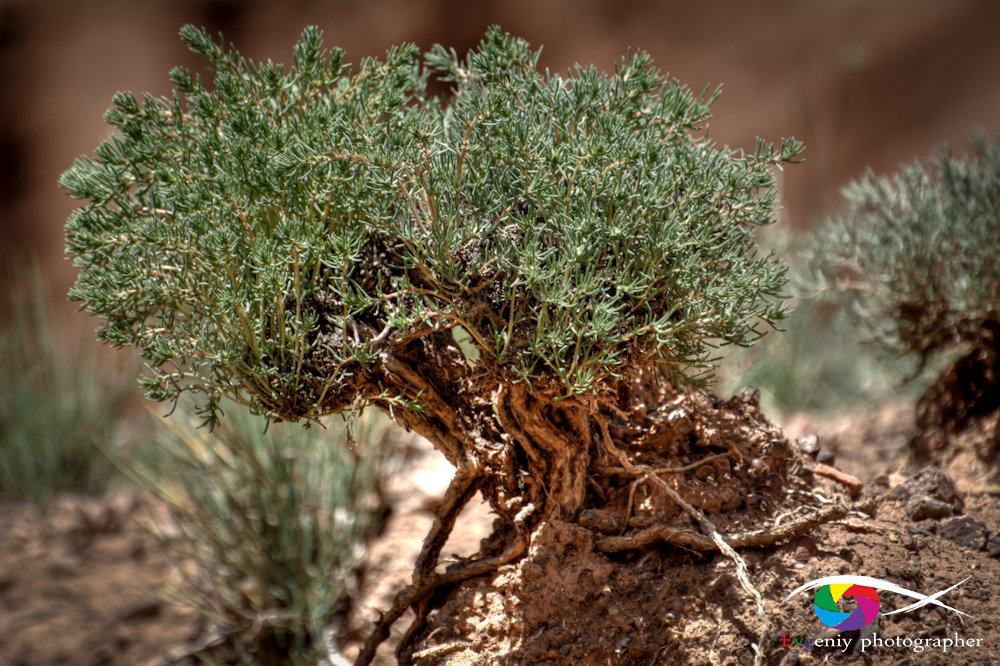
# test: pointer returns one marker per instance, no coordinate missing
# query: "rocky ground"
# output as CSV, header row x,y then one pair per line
x,y
77,579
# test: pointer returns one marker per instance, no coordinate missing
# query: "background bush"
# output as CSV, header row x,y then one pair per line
x,y
916,255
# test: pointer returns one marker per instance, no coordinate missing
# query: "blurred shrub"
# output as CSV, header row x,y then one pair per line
x,y
269,525
819,363
913,265
59,403
821,360
916,256
916,260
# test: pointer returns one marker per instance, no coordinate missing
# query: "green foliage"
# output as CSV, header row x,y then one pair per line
x,y
267,237
269,525
58,405
916,254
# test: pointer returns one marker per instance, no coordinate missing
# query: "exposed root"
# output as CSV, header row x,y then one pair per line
x,y
742,572
425,579
631,503
463,486
455,574
461,489
667,470
750,539
694,465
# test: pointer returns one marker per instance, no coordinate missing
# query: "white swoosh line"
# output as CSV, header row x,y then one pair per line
x,y
883,585
930,600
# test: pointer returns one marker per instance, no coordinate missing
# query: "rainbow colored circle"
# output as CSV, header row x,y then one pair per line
x,y
825,605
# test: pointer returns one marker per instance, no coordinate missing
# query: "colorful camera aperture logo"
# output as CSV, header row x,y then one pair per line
x,y
825,605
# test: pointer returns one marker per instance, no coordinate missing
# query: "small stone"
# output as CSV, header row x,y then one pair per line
x,y
532,571
922,507
64,565
636,648
965,532
749,395
993,546
808,444
826,457
144,610
676,416
932,482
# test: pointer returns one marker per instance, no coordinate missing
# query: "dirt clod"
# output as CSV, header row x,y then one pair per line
x,y
965,531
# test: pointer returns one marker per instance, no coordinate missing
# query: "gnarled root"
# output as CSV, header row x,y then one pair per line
x,y
425,579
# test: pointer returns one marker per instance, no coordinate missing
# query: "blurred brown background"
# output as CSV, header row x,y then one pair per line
x,y
861,82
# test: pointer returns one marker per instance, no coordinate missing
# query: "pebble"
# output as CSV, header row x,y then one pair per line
x,y
921,507
808,444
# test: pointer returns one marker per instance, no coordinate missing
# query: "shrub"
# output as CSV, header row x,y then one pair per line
x,y
500,269
270,239
915,257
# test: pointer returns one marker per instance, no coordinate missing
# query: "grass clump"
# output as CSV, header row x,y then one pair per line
x,y
269,526
58,404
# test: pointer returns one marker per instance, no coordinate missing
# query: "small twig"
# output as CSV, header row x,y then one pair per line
x,y
631,503
383,335
697,463
440,650
786,514
985,489
852,483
